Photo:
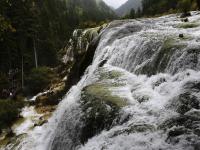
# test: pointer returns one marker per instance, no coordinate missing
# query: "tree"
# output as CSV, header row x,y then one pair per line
x,y
139,13
198,3
132,14
184,5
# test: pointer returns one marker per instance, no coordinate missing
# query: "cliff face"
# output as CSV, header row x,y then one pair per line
x,y
79,53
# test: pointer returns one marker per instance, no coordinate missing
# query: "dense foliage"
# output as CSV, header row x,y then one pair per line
x,y
33,31
39,79
9,111
157,7
152,7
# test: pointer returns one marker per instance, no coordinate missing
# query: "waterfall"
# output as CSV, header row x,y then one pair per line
x,y
141,92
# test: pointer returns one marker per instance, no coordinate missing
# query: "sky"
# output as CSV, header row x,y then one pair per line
x,y
115,3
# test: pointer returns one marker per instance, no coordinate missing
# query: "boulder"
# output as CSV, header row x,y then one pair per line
x,y
52,96
184,15
181,35
185,20
101,109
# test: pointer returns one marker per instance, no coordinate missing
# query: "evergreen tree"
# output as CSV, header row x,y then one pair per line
x,y
33,31
132,14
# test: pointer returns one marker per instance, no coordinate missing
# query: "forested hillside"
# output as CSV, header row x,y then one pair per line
x,y
130,4
158,7
152,7
33,31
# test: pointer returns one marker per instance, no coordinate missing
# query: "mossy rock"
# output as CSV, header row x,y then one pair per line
x,y
101,91
101,109
14,142
188,25
110,74
51,97
136,128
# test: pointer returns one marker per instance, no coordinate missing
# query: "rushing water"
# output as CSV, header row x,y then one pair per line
x,y
161,82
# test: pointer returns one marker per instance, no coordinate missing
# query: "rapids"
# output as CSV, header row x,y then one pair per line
x,y
159,81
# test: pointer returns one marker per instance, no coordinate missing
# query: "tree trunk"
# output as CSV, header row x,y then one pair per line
x,y
35,53
22,72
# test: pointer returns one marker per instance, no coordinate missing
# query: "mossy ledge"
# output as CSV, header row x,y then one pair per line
x,y
188,25
100,108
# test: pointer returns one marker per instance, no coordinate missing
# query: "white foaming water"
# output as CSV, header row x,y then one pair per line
x,y
151,78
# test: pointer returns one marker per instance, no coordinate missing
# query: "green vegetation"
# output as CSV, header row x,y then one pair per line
x,y
100,109
39,79
153,7
99,105
32,32
158,7
188,25
109,74
4,83
9,111
102,92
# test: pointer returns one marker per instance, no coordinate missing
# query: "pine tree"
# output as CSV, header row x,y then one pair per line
x,y
132,14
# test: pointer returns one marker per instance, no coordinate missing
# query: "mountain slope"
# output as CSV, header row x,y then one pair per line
x,y
91,10
125,8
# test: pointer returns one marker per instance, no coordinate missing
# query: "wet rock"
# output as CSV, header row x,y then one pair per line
x,y
185,102
134,128
196,146
159,82
15,141
184,15
102,63
79,53
104,75
141,99
161,59
193,86
40,122
181,35
52,96
101,110
185,20
187,125
176,132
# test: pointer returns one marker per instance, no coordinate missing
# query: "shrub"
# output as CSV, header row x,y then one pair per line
x,y
9,111
39,79
184,5
4,83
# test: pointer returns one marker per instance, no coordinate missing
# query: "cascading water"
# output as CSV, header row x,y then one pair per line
x,y
141,92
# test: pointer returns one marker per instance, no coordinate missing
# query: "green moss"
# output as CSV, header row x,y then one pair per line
x,y
101,91
4,142
188,25
100,109
18,122
110,74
